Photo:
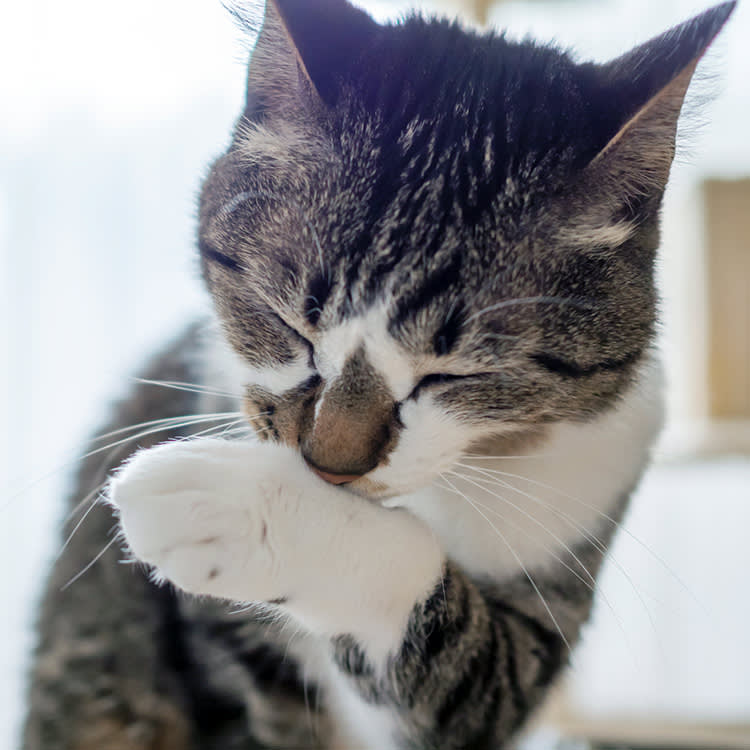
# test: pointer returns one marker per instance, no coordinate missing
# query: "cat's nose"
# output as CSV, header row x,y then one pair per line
x,y
331,477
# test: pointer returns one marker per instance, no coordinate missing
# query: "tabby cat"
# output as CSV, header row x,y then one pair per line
x,y
431,256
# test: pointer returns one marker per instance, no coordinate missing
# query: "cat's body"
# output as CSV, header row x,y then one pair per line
x,y
445,305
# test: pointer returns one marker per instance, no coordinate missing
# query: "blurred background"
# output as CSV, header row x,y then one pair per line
x,y
110,114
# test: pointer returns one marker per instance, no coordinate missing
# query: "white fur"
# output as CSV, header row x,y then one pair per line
x,y
431,442
370,331
250,522
362,726
576,476
234,373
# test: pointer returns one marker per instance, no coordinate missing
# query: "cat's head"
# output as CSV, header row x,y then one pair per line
x,y
421,237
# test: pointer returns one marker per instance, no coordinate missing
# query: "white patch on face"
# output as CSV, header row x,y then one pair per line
x,y
528,510
234,374
337,345
431,442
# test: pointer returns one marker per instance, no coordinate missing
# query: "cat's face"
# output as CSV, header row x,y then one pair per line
x,y
412,258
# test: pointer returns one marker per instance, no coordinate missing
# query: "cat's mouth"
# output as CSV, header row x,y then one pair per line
x,y
362,485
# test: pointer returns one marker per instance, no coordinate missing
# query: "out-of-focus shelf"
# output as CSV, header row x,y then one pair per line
x,y
728,283
639,735
559,719
706,439
476,11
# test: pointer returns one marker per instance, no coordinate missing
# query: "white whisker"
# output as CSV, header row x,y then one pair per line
x,y
527,534
484,457
590,584
534,520
97,496
189,387
588,536
99,489
541,300
165,422
176,424
518,560
624,529
90,565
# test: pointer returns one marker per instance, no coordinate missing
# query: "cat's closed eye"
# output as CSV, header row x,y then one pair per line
x,y
210,253
571,369
440,378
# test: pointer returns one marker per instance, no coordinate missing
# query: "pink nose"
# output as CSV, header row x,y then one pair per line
x,y
334,478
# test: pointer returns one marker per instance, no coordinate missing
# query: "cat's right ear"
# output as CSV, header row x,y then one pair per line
x,y
304,53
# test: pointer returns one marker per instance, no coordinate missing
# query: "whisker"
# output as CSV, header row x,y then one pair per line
x,y
165,422
624,529
484,457
97,497
518,560
90,565
98,490
541,300
99,487
534,520
592,539
591,584
189,387
144,433
527,534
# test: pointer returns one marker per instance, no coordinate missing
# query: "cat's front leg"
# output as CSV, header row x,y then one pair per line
x,y
422,656
250,522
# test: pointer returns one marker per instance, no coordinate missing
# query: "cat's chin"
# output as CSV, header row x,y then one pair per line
x,y
369,489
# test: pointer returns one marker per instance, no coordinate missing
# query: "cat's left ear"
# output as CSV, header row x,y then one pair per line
x,y
305,51
646,89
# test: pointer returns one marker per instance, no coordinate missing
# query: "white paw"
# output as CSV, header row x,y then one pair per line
x,y
201,512
250,522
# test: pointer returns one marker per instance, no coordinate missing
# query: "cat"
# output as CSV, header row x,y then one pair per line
x,y
370,511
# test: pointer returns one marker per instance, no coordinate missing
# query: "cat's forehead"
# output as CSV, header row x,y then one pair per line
x,y
367,336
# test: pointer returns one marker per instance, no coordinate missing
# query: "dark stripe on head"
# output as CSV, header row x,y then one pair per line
x,y
485,734
436,284
446,337
289,266
317,294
